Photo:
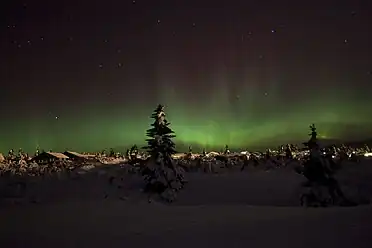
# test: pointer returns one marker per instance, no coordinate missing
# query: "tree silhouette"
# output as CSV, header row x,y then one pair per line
x,y
227,150
319,174
161,174
133,152
160,135
313,141
112,152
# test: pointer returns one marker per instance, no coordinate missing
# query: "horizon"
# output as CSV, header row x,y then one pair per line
x,y
197,148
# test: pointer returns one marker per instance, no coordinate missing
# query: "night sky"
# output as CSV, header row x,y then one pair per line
x,y
86,75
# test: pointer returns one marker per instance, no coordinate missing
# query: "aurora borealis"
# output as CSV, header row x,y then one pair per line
x,y
87,76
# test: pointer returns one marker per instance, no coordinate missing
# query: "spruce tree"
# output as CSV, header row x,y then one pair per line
x,y
133,152
227,150
112,152
132,155
313,166
319,173
161,174
313,142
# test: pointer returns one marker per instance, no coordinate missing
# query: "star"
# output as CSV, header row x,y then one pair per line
x,y
158,21
100,66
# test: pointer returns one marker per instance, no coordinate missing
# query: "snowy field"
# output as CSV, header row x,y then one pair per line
x,y
253,208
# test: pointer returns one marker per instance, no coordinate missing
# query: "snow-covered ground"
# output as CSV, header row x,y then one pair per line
x,y
117,224
253,208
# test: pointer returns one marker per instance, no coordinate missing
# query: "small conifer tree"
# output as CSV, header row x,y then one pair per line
x,y
112,152
319,174
161,174
227,150
132,155
133,152
313,142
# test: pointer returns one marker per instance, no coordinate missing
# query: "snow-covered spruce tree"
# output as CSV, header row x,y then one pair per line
x,y
112,153
133,152
313,141
227,150
161,174
319,173
132,155
313,166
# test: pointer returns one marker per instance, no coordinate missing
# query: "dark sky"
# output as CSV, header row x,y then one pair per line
x,y
87,74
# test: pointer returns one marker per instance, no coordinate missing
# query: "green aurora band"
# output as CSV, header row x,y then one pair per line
x,y
246,122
